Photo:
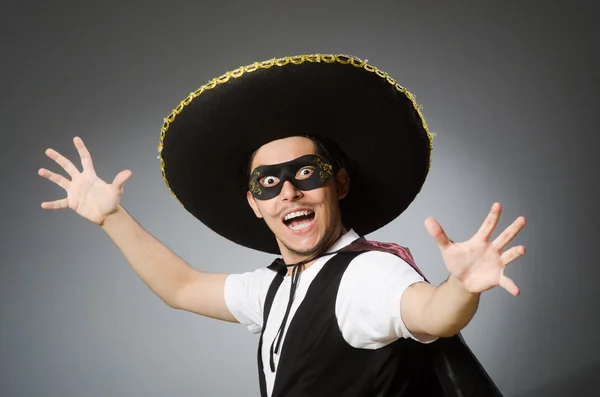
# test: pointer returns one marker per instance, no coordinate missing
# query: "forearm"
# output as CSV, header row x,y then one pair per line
x,y
158,267
450,308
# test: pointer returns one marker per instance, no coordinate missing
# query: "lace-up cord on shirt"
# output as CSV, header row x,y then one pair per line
x,y
280,266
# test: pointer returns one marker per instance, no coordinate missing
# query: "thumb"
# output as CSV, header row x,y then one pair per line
x,y
509,285
437,232
121,178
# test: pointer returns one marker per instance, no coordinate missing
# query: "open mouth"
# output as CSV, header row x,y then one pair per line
x,y
299,220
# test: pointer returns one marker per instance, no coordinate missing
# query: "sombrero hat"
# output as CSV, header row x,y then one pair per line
x,y
206,141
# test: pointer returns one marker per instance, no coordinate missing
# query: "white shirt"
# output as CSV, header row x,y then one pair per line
x,y
367,306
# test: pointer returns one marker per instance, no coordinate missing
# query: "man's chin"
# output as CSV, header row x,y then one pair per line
x,y
306,249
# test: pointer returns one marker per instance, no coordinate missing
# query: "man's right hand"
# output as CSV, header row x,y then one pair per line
x,y
167,275
87,195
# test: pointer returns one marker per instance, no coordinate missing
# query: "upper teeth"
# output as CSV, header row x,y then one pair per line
x,y
296,214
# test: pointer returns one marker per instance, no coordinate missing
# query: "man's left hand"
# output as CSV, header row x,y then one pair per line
x,y
477,263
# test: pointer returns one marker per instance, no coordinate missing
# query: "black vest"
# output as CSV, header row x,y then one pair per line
x,y
316,361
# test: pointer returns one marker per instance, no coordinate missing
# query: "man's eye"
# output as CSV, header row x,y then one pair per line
x,y
305,173
269,181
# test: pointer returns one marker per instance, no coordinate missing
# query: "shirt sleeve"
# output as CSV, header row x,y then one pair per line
x,y
368,301
245,295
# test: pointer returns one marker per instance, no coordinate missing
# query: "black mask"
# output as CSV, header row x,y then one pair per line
x,y
305,173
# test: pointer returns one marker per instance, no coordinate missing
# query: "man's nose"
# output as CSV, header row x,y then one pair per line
x,y
289,192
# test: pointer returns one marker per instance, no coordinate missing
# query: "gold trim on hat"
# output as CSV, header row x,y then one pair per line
x,y
297,60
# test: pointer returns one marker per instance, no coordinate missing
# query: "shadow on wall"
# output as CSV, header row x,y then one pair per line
x,y
583,383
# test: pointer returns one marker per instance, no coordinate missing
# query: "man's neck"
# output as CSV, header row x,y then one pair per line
x,y
291,258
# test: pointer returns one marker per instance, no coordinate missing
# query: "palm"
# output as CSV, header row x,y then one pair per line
x,y
88,195
478,263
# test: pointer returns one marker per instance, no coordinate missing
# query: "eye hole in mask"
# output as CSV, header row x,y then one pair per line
x,y
272,181
305,173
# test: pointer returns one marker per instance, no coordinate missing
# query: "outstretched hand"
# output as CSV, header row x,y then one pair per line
x,y
88,195
478,263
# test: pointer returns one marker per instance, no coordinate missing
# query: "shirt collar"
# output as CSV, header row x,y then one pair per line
x,y
344,240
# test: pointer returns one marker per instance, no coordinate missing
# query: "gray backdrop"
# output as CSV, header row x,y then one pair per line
x,y
510,88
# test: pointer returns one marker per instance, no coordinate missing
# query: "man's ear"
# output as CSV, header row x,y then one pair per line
x,y
253,205
342,183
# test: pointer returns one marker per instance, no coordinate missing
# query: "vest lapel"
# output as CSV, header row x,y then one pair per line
x,y
306,324
275,284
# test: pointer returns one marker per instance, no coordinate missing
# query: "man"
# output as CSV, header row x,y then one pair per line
x,y
328,149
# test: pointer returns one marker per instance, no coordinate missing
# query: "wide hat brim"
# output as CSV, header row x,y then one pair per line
x,y
206,141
